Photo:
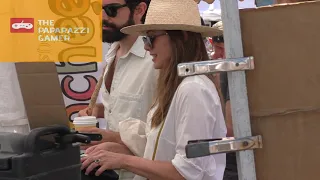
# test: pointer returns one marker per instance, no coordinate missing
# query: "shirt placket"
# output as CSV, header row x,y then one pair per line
x,y
111,99
119,68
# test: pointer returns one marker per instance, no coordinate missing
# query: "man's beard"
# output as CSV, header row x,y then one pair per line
x,y
114,35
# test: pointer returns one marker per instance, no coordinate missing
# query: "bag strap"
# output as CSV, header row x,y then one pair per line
x,y
95,93
157,141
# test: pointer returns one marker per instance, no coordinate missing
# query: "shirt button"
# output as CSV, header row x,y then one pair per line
x,y
110,111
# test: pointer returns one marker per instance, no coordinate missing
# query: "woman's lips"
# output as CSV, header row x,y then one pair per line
x,y
154,57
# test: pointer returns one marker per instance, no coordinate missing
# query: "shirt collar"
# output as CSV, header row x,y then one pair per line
x,y
136,49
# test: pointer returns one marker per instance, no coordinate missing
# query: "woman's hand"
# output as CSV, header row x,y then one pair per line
x,y
109,146
105,159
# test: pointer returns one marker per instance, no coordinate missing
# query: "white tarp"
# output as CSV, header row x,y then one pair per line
x,y
212,12
13,116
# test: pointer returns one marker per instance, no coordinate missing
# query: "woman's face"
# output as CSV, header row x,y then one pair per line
x,y
159,45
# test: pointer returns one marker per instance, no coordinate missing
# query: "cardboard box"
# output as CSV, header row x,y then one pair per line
x,y
42,94
283,90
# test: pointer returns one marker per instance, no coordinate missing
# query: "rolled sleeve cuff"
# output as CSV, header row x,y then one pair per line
x,y
187,168
133,135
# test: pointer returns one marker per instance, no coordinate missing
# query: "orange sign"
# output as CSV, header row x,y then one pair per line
x,y
51,31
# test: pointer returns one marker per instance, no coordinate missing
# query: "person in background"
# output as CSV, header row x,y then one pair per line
x,y
219,53
129,80
231,172
206,40
185,108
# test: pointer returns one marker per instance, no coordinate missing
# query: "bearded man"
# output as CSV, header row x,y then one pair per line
x,y
129,79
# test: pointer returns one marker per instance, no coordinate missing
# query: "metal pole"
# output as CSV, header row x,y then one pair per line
x,y
237,87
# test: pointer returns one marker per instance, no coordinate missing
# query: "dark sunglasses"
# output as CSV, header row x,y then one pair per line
x,y
112,9
148,40
218,39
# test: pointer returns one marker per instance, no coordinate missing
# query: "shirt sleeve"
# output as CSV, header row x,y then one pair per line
x,y
133,135
195,119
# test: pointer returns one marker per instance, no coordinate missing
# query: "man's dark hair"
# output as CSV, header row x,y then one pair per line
x,y
132,4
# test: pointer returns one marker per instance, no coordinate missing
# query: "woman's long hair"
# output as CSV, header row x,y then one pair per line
x,y
189,48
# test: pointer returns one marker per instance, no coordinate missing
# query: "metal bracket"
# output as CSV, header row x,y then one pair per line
x,y
213,66
200,148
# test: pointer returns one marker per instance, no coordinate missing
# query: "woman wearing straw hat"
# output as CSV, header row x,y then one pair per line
x,y
184,109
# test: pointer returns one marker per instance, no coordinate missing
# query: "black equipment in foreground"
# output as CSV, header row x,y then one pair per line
x,y
46,153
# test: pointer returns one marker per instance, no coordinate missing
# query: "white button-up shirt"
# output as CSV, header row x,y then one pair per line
x,y
195,113
132,90
133,85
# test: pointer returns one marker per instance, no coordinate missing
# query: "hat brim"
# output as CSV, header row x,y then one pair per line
x,y
142,29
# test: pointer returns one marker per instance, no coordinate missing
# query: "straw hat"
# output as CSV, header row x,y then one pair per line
x,y
172,15
219,26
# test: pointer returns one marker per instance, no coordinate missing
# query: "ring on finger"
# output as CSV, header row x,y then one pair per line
x,y
97,161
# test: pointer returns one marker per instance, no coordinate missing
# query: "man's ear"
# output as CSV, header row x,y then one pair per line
x,y
140,10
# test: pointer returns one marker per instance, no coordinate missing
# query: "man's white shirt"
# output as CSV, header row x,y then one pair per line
x,y
132,89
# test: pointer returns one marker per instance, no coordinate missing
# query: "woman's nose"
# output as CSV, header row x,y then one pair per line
x,y
147,47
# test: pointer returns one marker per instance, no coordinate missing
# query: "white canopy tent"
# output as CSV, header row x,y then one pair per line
x,y
212,12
